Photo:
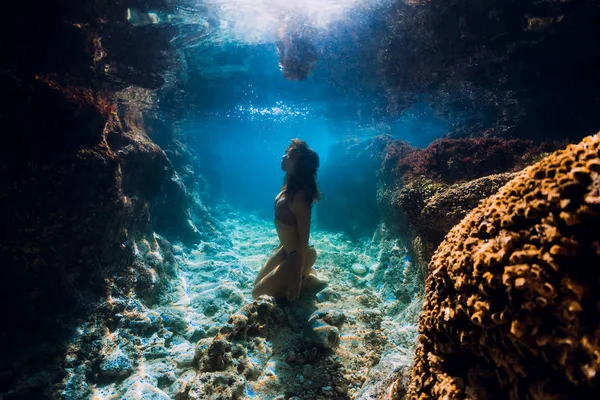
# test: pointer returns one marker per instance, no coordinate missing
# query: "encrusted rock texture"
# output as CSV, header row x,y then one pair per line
x,y
430,190
239,352
433,209
459,160
512,293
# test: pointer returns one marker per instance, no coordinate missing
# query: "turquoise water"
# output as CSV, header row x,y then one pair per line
x,y
244,114
246,117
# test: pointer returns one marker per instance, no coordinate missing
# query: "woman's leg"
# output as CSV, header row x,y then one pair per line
x,y
272,262
311,257
274,283
310,281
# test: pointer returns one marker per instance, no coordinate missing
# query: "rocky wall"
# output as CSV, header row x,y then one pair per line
x,y
84,187
524,68
418,193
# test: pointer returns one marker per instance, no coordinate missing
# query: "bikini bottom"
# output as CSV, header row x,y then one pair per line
x,y
310,246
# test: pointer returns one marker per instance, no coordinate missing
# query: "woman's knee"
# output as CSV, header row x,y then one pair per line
x,y
270,284
260,288
255,292
311,255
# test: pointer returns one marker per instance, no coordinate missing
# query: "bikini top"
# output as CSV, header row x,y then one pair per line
x,y
283,211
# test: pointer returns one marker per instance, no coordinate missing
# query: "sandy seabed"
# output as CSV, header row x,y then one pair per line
x,y
347,341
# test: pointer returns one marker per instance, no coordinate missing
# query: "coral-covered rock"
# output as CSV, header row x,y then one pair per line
x,y
432,189
433,209
448,207
239,352
512,292
459,160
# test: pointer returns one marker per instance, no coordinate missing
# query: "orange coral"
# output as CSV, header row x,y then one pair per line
x,y
512,293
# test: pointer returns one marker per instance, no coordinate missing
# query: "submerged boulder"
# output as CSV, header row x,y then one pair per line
x,y
512,293
324,328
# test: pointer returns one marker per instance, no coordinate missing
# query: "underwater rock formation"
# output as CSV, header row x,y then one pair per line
x,y
238,353
84,191
324,328
447,208
512,292
459,160
246,355
432,209
349,189
491,65
432,189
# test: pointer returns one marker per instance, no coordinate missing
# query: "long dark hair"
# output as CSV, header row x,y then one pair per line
x,y
305,172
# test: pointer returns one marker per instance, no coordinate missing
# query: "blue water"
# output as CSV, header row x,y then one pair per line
x,y
247,155
247,112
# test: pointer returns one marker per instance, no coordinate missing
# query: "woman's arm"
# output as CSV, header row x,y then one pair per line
x,y
302,210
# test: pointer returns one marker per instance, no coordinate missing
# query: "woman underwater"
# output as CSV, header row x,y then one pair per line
x,y
291,266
